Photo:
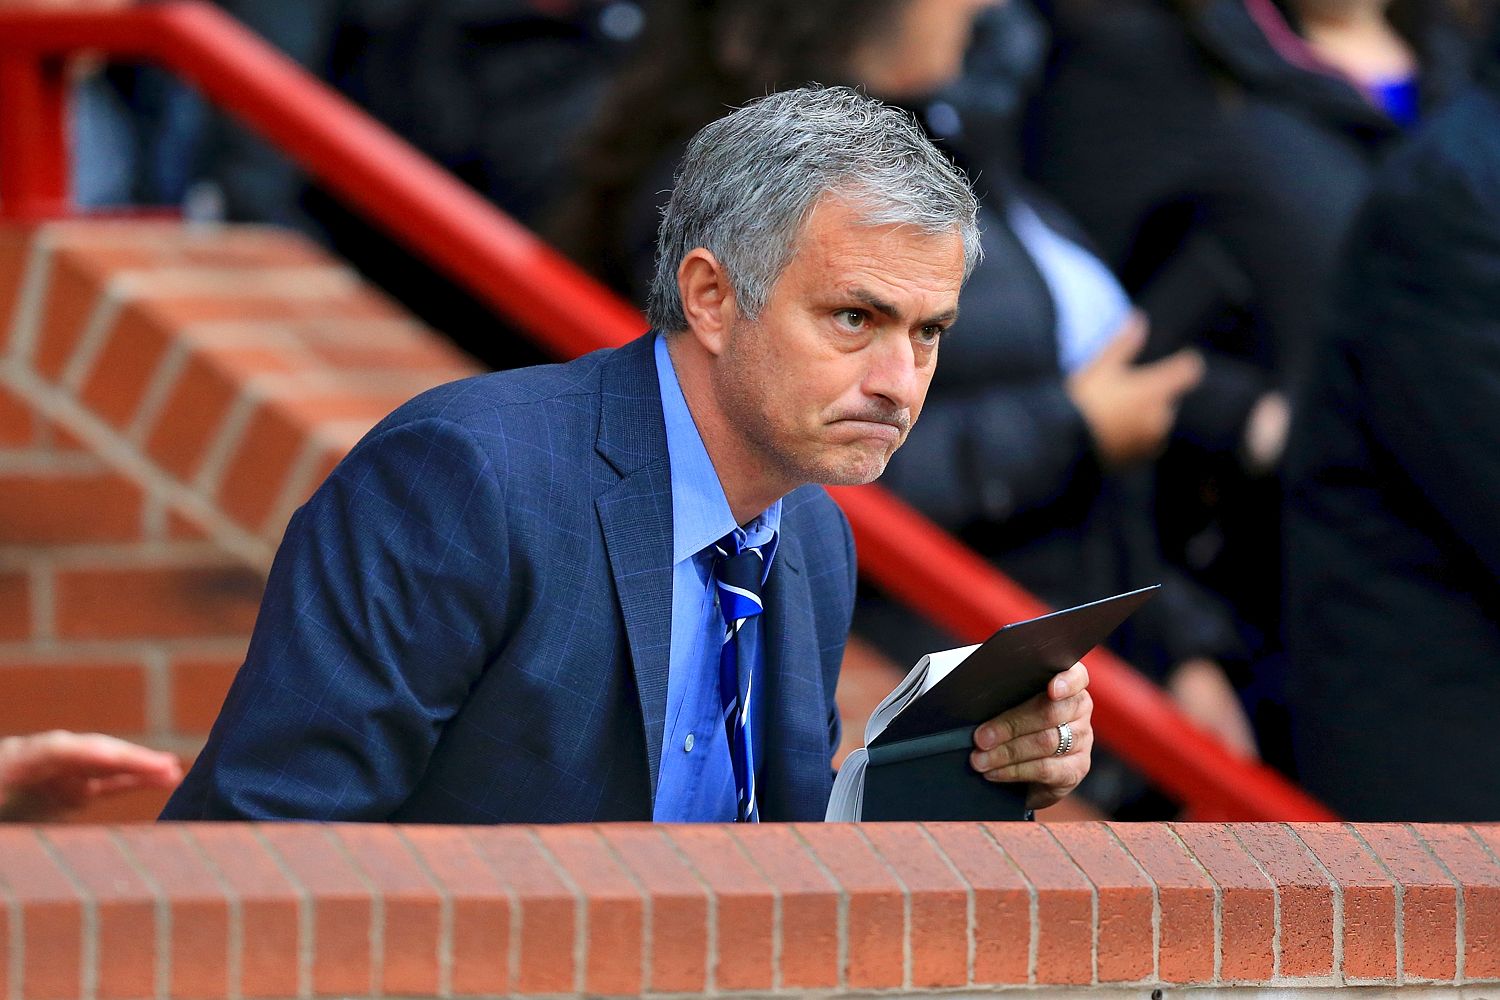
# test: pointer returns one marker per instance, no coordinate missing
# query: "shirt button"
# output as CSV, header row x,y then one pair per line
x,y
687,744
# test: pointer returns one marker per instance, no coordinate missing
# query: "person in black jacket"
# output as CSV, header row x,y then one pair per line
x,y
1393,467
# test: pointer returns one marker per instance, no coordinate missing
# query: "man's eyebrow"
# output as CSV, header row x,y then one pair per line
x,y
886,309
878,304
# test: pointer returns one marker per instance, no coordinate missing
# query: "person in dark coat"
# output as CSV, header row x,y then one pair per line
x,y
1393,467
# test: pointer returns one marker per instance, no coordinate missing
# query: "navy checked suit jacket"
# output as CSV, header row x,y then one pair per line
x,y
470,621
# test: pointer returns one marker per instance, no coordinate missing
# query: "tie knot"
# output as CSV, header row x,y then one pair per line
x,y
738,574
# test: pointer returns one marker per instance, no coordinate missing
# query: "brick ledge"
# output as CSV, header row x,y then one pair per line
x,y
282,910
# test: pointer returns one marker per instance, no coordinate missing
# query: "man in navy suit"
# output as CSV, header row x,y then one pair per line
x,y
501,605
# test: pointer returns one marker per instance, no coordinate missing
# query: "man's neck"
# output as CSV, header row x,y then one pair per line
x,y
749,486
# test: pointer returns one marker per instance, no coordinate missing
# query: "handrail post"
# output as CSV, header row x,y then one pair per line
x,y
34,165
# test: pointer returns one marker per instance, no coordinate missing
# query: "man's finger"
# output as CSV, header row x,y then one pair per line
x,y
1033,746
1121,349
1176,373
1033,716
1069,682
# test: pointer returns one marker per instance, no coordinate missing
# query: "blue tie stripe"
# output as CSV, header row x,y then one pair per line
x,y
737,579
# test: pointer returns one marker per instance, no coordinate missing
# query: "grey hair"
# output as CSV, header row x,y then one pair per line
x,y
749,180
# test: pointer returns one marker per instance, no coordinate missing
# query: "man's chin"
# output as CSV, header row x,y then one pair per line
x,y
855,470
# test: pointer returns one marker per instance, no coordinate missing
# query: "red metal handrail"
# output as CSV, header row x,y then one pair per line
x,y
509,268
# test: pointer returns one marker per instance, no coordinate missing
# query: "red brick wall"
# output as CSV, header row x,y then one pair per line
x,y
168,395
211,911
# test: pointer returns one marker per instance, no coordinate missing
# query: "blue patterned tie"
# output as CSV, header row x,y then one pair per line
x,y
737,578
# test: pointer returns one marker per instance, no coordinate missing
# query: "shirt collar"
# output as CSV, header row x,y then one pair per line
x,y
700,511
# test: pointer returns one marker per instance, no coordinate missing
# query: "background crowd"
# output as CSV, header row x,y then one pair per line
x,y
1237,328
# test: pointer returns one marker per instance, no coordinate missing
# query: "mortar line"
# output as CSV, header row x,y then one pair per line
x,y
56,405
1034,902
1218,903
1400,892
1460,915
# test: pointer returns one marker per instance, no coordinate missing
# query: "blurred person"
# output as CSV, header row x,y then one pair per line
x,y
611,589
45,775
1393,550
1217,151
136,131
1254,123
1040,427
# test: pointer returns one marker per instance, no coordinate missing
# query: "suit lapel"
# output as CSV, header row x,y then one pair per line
x,y
795,768
635,516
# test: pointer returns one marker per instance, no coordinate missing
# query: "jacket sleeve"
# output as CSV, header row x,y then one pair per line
x,y
989,453
380,613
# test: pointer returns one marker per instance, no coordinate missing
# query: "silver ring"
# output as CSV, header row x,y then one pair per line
x,y
1064,740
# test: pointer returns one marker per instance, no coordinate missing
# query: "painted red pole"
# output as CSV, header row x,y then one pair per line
x,y
33,138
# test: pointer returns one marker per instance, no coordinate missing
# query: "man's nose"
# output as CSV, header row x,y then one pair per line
x,y
893,373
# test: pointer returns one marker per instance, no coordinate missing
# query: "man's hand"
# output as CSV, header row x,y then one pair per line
x,y
1021,744
1130,408
1205,695
46,774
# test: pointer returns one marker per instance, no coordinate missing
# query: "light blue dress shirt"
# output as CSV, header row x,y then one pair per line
x,y
1090,303
696,781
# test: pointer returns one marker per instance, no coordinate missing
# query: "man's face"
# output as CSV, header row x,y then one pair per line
x,y
825,384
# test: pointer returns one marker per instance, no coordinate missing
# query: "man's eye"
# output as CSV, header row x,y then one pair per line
x,y
930,334
854,319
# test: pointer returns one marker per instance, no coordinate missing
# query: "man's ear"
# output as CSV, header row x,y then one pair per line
x,y
707,299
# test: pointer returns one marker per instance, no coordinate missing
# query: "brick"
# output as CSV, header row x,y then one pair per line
x,y
116,381
18,423
614,910
1471,865
1065,903
744,905
1125,901
343,907
51,917
875,913
1247,922
75,289
157,602
109,696
69,509
1002,902
939,904
411,909
1185,896
547,908
1429,902
181,528
191,417
175,311
278,431
481,908
8,933
808,901
1369,900
198,949
198,689
15,254
1304,895
678,941
139,806
15,606
400,347
124,910
265,903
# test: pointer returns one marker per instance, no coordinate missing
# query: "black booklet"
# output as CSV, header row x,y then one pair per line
x,y
915,762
